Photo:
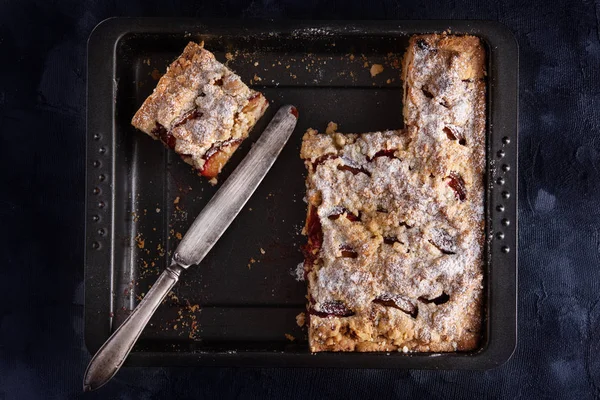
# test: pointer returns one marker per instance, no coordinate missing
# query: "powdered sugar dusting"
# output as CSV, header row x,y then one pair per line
x,y
408,198
298,272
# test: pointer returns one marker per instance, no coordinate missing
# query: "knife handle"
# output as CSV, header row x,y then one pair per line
x,y
107,361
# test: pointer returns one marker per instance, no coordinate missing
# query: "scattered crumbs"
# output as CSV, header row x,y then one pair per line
x,y
262,251
186,320
147,61
156,74
376,69
176,201
393,60
405,349
366,64
250,208
160,249
256,63
287,67
154,229
301,319
388,81
351,57
257,78
278,62
228,56
194,329
290,337
157,209
173,297
140,241
178,235
331,128
213,181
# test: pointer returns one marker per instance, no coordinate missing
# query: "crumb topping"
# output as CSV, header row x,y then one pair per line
x,y
395,220
198,105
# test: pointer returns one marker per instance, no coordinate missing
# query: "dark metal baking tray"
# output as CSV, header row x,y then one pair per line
x,y
238,305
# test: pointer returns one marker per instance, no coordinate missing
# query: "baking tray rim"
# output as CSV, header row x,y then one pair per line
x,y
501,319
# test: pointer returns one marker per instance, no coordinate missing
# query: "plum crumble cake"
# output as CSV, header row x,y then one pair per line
x,y
200,109
395,219
444,97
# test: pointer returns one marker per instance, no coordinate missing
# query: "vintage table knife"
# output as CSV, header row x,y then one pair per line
x,y
208,227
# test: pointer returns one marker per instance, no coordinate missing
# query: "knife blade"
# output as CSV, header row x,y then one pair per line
x,y
235,192
206,230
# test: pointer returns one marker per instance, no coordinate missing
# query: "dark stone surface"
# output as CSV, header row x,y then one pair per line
x,y
42,118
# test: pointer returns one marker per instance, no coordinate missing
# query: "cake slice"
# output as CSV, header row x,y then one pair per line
x,y
395,224
444,98
200,109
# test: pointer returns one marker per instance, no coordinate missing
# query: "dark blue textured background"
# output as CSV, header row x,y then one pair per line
x,y
42,120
